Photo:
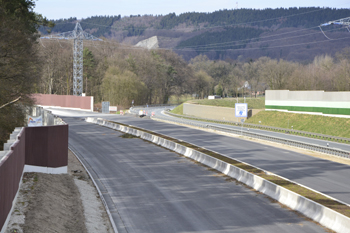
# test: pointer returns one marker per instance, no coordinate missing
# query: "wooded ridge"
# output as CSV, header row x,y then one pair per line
x,y
243,28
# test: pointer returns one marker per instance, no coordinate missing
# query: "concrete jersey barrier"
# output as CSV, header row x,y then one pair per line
x,y
309,146
319,213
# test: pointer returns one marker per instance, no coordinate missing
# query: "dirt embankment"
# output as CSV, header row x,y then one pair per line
x,y
59,203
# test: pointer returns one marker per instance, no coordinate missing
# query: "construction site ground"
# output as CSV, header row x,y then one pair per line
x,y
59,203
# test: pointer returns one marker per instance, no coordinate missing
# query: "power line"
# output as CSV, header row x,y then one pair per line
x,y
213,45
264,37
225,44
121,46
273,47
228,25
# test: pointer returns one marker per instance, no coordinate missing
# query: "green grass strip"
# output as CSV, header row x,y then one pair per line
x,y
339,111
253,103
333,126
178,109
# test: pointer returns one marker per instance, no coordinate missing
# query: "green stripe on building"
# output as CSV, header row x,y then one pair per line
x,y
340,111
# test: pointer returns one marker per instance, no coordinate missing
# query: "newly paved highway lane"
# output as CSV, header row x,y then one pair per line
x,y
335,145
322,175
150,189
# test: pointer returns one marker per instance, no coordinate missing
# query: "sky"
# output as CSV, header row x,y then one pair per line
x,y
57,9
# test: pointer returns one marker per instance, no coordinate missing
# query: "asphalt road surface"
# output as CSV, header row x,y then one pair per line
x,y
320,142
150,189
324,176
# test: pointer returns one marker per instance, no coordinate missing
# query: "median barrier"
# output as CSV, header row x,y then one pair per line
x,y
325,216
323,149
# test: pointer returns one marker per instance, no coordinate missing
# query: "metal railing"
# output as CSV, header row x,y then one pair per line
x,y
270,128
308,146
153,106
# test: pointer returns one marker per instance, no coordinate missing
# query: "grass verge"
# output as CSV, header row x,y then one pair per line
x,y
334,126
317,197
253,103
178,109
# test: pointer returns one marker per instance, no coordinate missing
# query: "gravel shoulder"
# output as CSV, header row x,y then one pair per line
x,y
59,203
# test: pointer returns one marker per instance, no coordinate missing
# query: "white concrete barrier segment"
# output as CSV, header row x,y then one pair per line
x,y
321,214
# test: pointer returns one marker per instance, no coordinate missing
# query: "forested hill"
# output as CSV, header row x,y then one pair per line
x,y
282,17
240,33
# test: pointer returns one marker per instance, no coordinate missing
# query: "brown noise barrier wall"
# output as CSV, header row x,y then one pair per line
x,y
11,169
64,101
45,146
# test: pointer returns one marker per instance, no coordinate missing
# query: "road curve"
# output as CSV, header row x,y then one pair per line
x,y
150,189
324,176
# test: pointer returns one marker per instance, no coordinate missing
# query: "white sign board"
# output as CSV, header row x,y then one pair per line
x,y
35,121
241,109
113,108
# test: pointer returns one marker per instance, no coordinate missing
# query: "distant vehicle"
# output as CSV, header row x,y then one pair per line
x,y
212,97
142,113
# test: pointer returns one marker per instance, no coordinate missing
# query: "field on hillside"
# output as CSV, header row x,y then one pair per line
x,y
253,103
334,126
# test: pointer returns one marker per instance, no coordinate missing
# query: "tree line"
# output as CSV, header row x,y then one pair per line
x,y
260,18
19,61
196,29
228,78
283,17
121,74
116,73
97,25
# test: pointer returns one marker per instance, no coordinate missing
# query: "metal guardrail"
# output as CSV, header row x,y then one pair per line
x,y
308,146
48,118
153,106
276,129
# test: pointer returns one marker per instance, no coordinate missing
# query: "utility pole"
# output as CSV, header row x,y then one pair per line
x,y
77,35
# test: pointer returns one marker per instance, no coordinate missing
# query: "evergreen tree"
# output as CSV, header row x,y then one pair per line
x,y
19,62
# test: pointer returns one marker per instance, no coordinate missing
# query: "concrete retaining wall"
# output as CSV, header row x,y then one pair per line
x,y
315,102
215,113
65,101
325,216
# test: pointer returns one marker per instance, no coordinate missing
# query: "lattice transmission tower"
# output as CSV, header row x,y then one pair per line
x,y
78,35
345,22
